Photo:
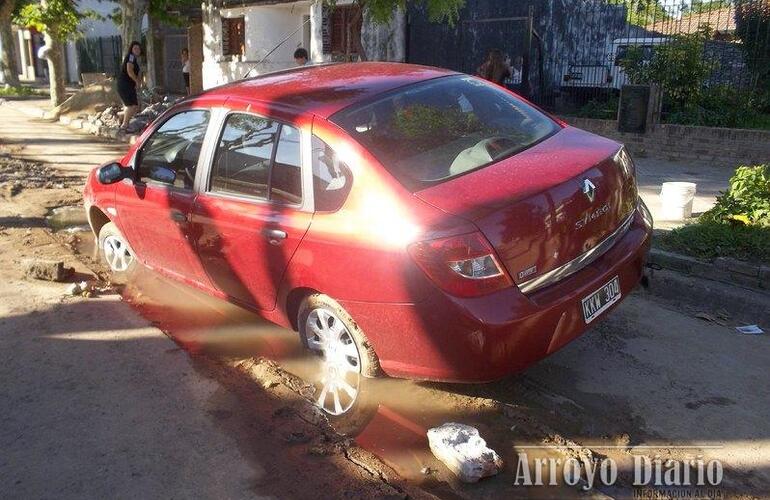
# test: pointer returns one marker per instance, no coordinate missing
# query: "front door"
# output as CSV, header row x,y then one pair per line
x,y
249,218
155,208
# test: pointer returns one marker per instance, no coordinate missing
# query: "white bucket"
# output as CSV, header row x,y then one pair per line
x,y
676,200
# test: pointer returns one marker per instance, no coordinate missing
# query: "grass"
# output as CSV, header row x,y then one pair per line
x,y
22,91
708,240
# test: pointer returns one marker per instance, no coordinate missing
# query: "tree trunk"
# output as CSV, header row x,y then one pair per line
x,y
356,38
8,70
56,70
132,12
150,54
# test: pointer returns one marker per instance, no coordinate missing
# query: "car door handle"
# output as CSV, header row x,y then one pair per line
x,y
178,216
275,236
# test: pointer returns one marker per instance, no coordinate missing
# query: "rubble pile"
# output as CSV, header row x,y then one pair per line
x,y
148,114
110,117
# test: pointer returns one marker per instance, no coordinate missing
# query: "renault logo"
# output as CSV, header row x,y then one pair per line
x,y
589,190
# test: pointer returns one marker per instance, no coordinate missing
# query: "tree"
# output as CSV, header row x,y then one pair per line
x,y
642,12
381,12
752,27
58,20
677,66
703,6
10,72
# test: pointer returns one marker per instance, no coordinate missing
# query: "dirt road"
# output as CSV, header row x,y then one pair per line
x,y
95,400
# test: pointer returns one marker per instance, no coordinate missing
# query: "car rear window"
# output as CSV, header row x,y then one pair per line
x,y
436,130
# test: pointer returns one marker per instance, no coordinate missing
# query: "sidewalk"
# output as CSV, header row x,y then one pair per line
x,y
653,172
25,136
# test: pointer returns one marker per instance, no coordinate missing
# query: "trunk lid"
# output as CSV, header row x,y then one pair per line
x,y
547,205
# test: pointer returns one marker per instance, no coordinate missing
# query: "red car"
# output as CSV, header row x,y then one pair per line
x,y
405,220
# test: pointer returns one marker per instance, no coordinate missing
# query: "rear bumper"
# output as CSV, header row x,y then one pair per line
x,y
486,338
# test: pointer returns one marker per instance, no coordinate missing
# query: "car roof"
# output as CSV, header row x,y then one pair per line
x,y
325,89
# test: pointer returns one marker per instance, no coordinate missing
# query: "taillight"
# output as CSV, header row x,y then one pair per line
x,y
465,265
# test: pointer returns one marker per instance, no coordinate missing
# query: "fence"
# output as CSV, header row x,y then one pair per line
x,y
99,55
710,57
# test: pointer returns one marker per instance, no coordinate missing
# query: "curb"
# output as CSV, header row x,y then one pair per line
x,y
723,269
744,305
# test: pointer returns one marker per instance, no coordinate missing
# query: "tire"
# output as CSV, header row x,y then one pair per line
x,y
327,330
115,251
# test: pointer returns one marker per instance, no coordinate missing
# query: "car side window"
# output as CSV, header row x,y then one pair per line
x,y
286,178
258,157
331,178
242,160
176,146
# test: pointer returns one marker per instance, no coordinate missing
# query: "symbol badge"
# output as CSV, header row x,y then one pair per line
x,y
589,190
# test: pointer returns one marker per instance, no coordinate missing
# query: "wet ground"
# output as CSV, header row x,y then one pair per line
x,y
651,380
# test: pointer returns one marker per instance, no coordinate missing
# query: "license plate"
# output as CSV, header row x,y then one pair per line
x,y
601,300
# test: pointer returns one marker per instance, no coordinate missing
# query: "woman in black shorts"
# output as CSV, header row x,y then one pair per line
x,y
129,80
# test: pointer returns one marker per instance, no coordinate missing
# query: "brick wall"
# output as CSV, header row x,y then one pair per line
x,y
724,145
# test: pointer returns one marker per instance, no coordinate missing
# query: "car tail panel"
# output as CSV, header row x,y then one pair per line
x,y
546,206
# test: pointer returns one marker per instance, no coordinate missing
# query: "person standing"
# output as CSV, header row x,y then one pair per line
x,y
186,70
494,68
129,80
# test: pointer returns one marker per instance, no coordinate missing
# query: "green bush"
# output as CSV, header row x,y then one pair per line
x,y
21,91
708,240
724,106
737,226
678,66
603,109
746,201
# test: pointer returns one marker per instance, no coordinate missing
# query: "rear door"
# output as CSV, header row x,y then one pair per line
x,y
252,210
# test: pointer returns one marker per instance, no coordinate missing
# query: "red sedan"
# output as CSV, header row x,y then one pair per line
x,y
405,220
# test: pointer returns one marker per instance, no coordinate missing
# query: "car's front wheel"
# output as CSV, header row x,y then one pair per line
x,y
347,355
115,251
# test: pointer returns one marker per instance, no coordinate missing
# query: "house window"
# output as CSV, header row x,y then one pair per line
x,y
233,36
341,27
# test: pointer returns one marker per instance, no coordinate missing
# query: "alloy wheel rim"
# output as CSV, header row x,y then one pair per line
x,y
340,376
117,253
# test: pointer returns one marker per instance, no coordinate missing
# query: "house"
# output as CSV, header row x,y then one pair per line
x,y
721,21
241,37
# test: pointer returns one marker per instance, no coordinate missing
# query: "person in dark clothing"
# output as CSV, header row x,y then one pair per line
x,y
129,80
495,69
300,56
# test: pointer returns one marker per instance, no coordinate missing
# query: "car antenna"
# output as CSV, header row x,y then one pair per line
x,y
246,75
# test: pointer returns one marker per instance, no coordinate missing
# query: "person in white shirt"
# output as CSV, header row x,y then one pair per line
x,y
186,70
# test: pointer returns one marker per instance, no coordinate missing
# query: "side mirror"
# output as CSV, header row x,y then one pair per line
x,y
162,174
112,173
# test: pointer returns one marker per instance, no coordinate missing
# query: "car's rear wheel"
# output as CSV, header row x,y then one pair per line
x,y
115,251
347,355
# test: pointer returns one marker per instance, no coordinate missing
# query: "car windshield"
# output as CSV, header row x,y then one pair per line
x,y
436,130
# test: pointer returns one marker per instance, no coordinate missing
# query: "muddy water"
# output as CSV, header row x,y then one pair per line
x,y
72,221
390,418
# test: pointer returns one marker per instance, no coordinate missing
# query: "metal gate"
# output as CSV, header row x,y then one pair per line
x,y
172,67
464,47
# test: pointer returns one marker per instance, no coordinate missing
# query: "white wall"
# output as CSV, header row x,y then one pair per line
x,y
265,27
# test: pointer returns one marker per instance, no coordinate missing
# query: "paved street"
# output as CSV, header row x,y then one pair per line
x,y
96,401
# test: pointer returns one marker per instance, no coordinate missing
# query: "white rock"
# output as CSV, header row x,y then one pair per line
x,y
464,452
